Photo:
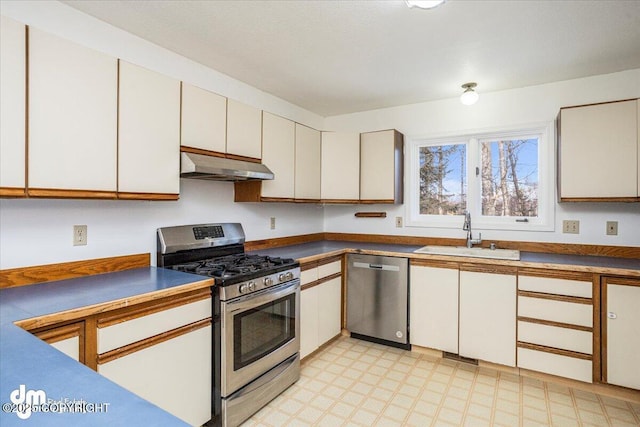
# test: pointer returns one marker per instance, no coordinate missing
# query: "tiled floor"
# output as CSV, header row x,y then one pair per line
x,y
356,383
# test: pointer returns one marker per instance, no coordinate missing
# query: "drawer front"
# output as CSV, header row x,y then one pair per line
x,y
553,336
574,288
130,331
308,276
329,269
555,364
556,311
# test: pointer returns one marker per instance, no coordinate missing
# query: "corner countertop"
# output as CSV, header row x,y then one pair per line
x,y
29,361
312,251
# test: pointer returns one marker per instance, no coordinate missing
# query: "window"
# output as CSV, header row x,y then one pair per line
x,y
503,178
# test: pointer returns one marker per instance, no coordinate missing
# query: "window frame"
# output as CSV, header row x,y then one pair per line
x,y
545,221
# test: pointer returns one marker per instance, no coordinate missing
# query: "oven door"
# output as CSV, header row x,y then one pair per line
x,y
258,332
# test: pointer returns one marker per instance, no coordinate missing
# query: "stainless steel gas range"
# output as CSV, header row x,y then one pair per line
x,y
256,315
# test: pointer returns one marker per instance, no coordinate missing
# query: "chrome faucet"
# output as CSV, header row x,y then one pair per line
x,y
467,227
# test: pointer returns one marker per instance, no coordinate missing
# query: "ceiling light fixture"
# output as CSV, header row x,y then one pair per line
x,y
469,96
424,4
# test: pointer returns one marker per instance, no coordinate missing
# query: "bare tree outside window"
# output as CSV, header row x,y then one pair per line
x,y
443,183
510,177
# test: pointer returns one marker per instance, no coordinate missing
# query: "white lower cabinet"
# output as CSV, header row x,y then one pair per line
x,y
308,321
162,356
174,375
555,323
68,339
622,332
320,306
488,316
329,306
433,307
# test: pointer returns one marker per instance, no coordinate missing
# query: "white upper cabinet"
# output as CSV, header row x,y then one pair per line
x,y
340,166
598,151
12,107
244,130
307,163
381,166
72,116
149,133
204,119
278,148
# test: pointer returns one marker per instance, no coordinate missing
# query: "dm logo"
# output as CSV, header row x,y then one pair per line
x,y
25,400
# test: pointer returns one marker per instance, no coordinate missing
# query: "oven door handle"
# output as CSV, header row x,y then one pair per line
x,y
263,297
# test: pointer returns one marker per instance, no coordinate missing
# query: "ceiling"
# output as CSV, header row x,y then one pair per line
x,y
336,57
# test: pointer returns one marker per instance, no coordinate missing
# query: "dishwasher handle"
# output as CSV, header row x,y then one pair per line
x,y
385,267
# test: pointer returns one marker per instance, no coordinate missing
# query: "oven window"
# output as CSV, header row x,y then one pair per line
x,y
259,331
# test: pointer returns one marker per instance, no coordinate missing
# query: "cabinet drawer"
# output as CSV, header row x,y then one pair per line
x,y
555,364
557,311
553,336
329,269
130,331
574,288
308,276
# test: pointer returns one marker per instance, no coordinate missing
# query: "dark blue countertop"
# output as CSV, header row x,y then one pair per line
x,y
315,249
26,360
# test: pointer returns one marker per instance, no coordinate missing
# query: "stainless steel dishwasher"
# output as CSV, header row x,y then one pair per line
x,y
377,299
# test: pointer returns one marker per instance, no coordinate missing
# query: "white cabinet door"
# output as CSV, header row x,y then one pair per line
x,y
149,132
308,321
599,151
381,166
433,308
204,119
340,166
329,303
12,107
73,108
244,130
307,163
278,153
623,335
488,317
174,375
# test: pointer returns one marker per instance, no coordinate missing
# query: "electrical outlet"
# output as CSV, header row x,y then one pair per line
x,y
399,221
571,226
272,223
79,235
612,228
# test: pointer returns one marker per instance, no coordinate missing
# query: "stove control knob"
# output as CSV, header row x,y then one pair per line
x,y
251,286
289,275
243,288
268,281
281,277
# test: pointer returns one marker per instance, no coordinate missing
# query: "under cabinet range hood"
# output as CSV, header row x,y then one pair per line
x,y
198,166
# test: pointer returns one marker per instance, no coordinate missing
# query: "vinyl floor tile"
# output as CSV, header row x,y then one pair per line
x,y
357,383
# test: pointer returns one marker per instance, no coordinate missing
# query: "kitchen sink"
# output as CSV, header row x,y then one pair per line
x,y
510,254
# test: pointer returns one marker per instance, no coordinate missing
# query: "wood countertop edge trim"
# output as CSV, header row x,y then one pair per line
x,y
90,310
627,252
22,276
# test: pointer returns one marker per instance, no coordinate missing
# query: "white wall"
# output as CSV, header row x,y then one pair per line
x,y
509,108
35,232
